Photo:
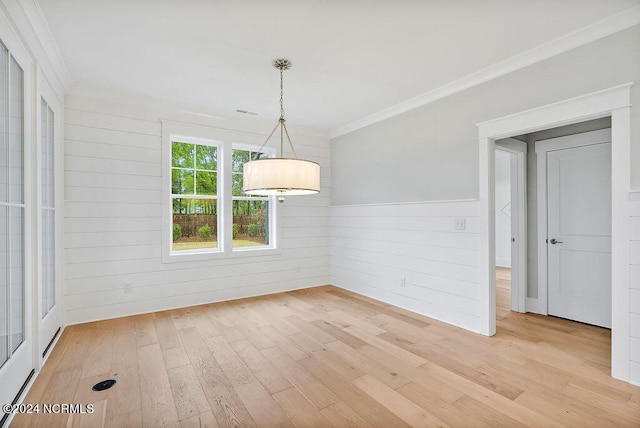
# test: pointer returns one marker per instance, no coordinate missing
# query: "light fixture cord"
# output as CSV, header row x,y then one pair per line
x,y
281,93
283,126
281,122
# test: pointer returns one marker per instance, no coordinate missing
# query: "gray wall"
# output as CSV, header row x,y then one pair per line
x,y
431,152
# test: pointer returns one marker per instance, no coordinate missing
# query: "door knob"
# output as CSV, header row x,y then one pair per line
x,y
554,241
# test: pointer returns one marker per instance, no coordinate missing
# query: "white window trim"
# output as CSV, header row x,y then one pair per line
x,y
226,141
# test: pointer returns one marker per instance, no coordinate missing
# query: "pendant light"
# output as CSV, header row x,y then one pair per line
x,y
281,176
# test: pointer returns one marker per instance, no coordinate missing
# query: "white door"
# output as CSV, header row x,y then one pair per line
x,y
579,233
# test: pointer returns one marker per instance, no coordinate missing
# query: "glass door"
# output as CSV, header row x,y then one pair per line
x,y
16,352
47,155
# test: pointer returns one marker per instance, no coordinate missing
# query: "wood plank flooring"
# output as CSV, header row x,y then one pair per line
x,y
326,357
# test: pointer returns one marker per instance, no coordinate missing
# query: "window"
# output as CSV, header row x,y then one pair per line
x,y
194,195
207,213
250,213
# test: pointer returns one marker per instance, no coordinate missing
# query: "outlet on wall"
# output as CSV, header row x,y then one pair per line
x,y
461,223
403,281
128,287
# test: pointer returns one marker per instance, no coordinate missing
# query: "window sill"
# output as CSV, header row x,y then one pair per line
x,y
191,256
252,252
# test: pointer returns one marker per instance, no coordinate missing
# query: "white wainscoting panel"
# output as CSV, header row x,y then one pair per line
x,y
411,255
113,214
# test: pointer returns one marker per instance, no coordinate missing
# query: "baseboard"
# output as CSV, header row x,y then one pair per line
x,y
23,394
171,303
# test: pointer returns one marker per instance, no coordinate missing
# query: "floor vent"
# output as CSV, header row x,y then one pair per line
x,y
105,384
51,342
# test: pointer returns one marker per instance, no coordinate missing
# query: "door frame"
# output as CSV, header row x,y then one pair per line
x,y
542,148
48,329
614,102
518,151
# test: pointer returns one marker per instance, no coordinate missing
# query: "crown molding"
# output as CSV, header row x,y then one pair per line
x,y
600,29
29,21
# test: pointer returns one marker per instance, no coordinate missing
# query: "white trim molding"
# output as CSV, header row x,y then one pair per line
x,y
444,201
614,102
600,29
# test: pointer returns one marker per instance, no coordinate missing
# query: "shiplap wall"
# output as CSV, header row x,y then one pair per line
x,y
375,246
634,291
113,222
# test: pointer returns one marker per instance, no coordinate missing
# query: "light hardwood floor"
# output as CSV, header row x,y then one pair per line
x,y
327,357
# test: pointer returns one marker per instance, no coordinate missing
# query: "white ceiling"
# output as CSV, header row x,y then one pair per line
x,y
351,58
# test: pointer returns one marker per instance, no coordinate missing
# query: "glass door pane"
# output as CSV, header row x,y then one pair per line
x,y
16,135
16,210
12,303
16,220
47,208
16,348
4,205
48,261
4,284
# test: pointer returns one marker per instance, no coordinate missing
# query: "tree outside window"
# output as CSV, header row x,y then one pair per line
x,y
250,213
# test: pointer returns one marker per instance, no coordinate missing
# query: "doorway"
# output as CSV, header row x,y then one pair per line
x,y
504,237
613,102
511,223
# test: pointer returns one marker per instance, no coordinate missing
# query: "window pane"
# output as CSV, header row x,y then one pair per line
x,y
43,149
206,183
48,261
195,224
237,185
250,223
4,283
182,155
47,249
206,157
16,265
16,132
240,157
182,182
4,129
48,176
